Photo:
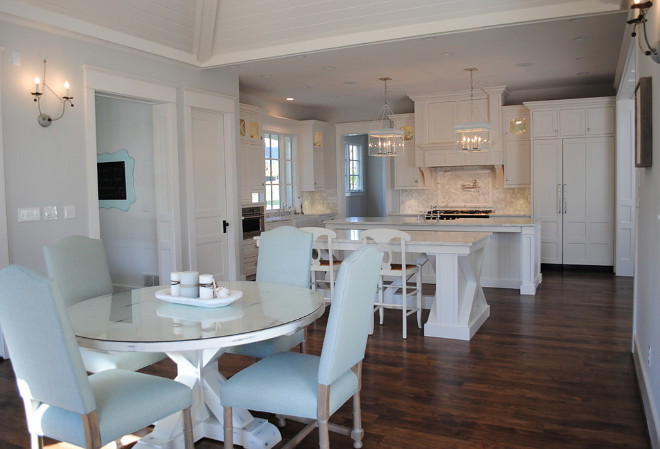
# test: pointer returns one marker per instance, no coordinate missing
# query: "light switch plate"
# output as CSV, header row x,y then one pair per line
x,y
29,214
50,212
70,211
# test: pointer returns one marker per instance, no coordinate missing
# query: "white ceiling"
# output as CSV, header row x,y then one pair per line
x,y
329,54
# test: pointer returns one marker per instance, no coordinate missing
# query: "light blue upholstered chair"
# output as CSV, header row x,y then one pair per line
x,y
285,257
312,387
60,400
80,267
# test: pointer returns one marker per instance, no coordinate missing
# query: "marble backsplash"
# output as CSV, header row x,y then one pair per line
x,y
467,187
323,201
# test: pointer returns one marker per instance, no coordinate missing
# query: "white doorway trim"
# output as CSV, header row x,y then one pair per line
x,y
163,98
625,202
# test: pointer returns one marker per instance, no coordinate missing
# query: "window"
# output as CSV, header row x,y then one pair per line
x,y
279,171
353,168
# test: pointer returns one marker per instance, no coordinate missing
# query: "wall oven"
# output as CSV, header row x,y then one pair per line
x,y
253,221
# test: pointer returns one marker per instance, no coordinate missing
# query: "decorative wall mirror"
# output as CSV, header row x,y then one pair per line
x,y
115,180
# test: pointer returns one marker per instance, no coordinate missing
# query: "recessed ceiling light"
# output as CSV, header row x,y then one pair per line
x,y
579,38
428,38
350,83
582,73
290,98
300,56
447,53
582,58
576,19
265,76
329,67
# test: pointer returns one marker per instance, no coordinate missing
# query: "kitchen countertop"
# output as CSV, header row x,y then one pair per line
x,y
276,218
400,220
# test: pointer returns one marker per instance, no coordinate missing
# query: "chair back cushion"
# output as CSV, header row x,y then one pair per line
x,y
80,267
41,343
350,315
285,256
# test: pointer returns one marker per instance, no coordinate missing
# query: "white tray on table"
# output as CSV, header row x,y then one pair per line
x,y
215,302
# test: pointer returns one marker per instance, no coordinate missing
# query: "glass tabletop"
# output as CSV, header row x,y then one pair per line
x,y
136,320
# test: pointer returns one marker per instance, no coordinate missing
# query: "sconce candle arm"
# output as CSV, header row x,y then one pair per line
x,y
45,119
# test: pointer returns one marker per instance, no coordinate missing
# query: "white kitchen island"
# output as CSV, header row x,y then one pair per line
x,y
459,307
512,258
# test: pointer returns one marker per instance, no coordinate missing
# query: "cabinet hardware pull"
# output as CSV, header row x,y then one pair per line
x,y
559,198
565,195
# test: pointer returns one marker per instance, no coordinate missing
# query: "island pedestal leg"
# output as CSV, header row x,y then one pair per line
x,y
460,307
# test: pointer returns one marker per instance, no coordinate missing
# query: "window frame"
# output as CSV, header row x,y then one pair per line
x,y
359,190
287,179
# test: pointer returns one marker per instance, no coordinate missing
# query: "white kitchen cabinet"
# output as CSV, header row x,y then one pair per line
x,y
435,117
252,155
573,179
317,156
573,198
406,173
572,118
250,255
517,146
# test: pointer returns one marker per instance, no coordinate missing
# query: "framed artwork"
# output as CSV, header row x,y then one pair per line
x,y
643,123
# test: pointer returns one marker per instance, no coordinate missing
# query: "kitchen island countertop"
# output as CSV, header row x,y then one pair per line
x,y
513,255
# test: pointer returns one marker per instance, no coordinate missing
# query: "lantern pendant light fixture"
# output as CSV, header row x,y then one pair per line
x,y
384,139
472,136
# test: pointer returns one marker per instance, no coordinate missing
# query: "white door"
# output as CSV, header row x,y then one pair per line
x,y
211,253
547,197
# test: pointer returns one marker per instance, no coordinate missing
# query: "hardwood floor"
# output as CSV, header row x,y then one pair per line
x,y
553,370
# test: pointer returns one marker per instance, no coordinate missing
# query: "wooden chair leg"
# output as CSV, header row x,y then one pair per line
x,y
229,428
188,437
324,435
358,432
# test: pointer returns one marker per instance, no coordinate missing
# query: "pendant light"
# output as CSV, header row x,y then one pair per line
x,y
472,136
385,140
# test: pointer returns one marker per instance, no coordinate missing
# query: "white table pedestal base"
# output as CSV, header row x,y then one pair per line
x,y
199,370
460,306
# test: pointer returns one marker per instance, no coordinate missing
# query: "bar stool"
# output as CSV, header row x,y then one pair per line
x,y
396,276
324,260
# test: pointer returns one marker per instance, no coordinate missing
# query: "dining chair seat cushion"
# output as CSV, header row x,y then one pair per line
x,y
116,393
266,348
399,267
286,383
326,263
96,361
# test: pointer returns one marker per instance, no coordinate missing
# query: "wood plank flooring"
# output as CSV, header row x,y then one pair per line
x,y
553,371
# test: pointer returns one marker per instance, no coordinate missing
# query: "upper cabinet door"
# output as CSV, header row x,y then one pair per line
x,y
600,121
572,122
545,123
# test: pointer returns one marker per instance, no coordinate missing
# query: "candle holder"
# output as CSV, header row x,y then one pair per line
x,y
44,119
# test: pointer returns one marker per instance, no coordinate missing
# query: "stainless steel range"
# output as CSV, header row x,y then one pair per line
x,y
453,214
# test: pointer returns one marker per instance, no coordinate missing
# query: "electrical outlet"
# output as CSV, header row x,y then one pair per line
x,y
50,212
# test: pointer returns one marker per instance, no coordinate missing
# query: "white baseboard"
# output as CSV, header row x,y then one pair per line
x,y
646,393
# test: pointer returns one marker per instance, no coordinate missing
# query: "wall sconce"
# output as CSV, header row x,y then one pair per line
x,y
640,22
45,119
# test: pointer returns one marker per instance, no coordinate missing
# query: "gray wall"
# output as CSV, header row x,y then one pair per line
x,y
46,166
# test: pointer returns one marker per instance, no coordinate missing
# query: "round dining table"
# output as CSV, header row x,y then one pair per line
x,y
194,337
